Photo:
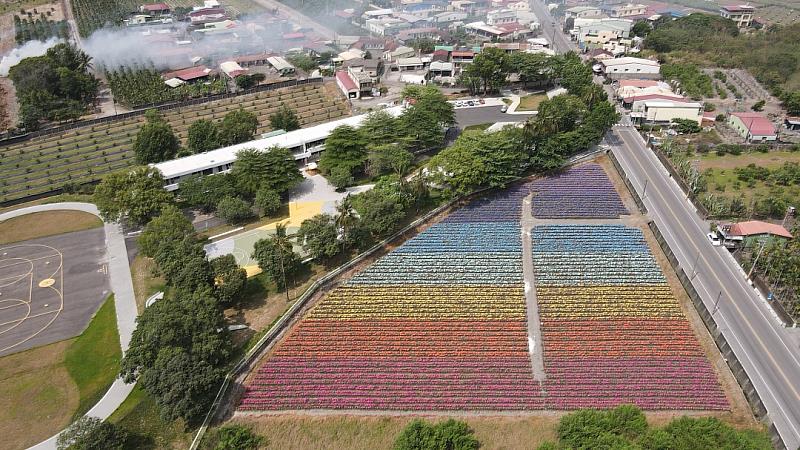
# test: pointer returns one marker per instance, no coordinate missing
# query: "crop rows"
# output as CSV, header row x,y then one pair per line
x,y
438,324
612,330
580,192
84,154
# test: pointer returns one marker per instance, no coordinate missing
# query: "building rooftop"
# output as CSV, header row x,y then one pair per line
x,y
756,123
639,83
738,8
756,227
193,163
344,78
628,60
154,7
190,73
667,97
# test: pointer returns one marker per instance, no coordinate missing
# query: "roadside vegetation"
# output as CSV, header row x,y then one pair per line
x,y
136,87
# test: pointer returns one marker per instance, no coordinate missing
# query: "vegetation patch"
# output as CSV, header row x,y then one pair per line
x,y
47,223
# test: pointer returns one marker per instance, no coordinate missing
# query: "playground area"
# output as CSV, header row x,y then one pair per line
x,y
50,287
313,196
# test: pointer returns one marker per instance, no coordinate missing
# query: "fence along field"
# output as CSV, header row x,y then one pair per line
x,y
85,154
440,322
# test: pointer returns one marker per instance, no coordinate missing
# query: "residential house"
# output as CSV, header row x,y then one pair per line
x,y
460,58
190,74
346,84
423,9
582,12
448,17
372,67
501,16
399,52
483,31
409,64
626,10
232,69
792,123
441,69
204,15
519,6
752,126
741,14
508,47
387,26
753,232
628,67
281,65
418,33
665,110
155,9
260,59
377,13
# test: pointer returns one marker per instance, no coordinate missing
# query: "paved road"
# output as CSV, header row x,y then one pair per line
x,y
551,28
486,114
765,349
121,284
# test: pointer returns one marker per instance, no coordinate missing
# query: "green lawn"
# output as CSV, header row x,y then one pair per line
x,y
480,127
531,102
139,415
93,358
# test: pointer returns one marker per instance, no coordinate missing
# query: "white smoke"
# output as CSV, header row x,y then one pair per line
x,y
28,50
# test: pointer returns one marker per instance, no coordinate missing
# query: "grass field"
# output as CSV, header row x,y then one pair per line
x,y
44,388
722,180
49,223
92,360
531,102
85,154
138,414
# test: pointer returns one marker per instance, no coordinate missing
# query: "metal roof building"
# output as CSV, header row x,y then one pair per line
x,y
304,144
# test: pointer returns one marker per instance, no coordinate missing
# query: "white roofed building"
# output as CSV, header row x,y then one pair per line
x,y
305,145
628,67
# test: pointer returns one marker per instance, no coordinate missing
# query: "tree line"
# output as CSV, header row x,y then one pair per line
x,y
56,86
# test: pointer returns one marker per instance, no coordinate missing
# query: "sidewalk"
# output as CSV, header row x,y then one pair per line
x,y
121,284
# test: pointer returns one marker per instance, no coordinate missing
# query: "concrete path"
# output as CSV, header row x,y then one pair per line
x,y
535,346
121,284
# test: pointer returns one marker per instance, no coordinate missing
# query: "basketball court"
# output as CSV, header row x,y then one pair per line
x,y
50,287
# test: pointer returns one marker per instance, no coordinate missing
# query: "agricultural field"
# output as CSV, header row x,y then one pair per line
x,y
235,8
441,323
85,154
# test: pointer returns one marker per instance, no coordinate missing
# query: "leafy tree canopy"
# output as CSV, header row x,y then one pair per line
x,y
267,201
91,433
206,191
319,237
422,435
237,127
170,226
137,195
203,136
284,119
345,147
229,279
237,437
273,169
276,257
234,210
155,141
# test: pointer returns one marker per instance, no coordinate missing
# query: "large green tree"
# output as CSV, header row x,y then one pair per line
x,y
532,68
229,279
234,210
136,195
273,169
284,119
155,141
492,66
237,127
478,159
206,191
386,158
345,147
170,226
91,433
203,136
319,237
380,127
183,264
450,434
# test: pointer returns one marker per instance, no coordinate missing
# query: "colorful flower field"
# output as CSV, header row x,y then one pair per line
x,y
612,330
437,324
440,323
582,191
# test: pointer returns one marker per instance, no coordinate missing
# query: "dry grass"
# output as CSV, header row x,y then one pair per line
x,y
368,433
144,283
49,223
531,102
39,397
770,160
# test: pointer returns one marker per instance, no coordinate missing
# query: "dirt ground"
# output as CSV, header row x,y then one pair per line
x,y
38,395
770,160
43,224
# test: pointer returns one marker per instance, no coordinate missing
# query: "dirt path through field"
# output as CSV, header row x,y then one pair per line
x,y
535,345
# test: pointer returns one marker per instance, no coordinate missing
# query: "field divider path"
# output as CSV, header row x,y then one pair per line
x,y
535,344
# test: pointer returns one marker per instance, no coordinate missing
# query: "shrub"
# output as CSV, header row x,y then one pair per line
x,y
234,210
268,201
237,437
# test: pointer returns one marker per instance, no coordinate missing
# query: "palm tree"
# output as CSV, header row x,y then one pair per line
x,y
284,245
345,218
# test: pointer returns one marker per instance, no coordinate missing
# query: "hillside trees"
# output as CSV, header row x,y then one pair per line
x,y
272,169
170,226
319,237
55,86
229,279
276,257
155,142
346,149
491,67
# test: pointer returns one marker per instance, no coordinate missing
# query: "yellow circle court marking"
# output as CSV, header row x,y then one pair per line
x,y
47,282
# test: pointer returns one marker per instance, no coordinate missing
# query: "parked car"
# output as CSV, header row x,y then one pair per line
x,y
470,103
715,241
504,108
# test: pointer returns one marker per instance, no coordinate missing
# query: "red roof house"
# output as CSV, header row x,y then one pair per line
x,y
189,74
155,8
753,126
753,228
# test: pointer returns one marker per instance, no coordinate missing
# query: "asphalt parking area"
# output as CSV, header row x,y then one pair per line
x,y
50,288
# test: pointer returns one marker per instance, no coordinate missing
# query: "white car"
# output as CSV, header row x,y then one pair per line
x,y
460,104
715,241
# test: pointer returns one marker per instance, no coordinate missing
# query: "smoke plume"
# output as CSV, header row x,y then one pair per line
x,y
28,50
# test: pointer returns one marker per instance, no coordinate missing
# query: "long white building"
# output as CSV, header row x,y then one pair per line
x,y
305,145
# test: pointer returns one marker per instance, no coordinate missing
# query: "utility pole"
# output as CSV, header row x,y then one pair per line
x,y
763,244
